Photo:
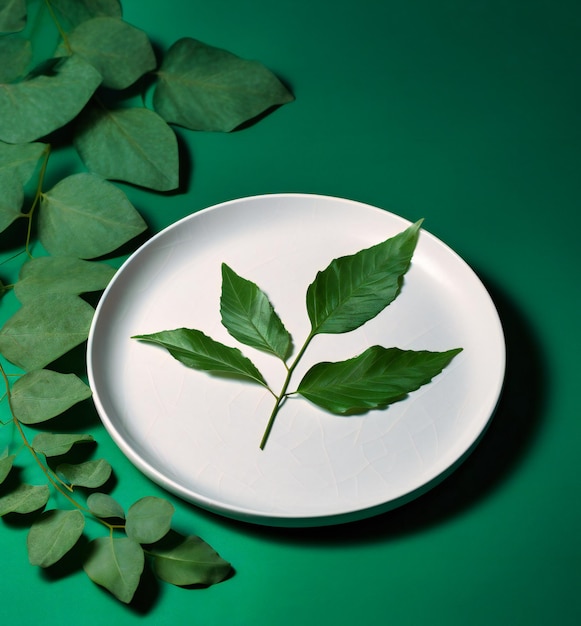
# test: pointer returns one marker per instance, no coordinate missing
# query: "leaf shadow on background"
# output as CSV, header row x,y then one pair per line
x,y
507,441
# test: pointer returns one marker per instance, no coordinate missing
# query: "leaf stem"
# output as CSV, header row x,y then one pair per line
x,y
283,395
36,200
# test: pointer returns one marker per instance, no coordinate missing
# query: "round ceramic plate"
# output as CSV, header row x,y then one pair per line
x,y
198,435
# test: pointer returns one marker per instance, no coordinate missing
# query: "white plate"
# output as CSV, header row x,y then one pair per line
x,y
198,435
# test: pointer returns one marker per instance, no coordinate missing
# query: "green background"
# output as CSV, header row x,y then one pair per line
x,y
466,113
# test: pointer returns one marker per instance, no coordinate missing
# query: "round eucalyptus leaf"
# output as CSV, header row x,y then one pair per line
x,y
104,506
15,56
149,519
12,16
24,499
18,161
74,12
90,474
53,535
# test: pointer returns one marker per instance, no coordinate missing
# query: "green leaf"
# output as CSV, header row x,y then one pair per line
x,y
51,444
206,88
116,564
87,217
120,52
187,561
11,200
43,103
134,145
15,56
12,16
76,11
53,535
43,394
19,161
24,499
249,316
354,289
6,463
104,506
91,474
375,378
149,519
196,350
44,329
61,275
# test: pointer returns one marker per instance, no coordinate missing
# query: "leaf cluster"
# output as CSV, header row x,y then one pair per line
x,y
347,294
74,73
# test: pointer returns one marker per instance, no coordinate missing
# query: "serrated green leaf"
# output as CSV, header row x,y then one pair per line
x,y
53,535
61,275
24,499
15,56
134,145
116,564
187,561
205,88
196,350
12,16
44,329
56,444
149,519
6,463
43,394
19,161
43,103
90,474
11,200
75,12
353,289
249,316
104,506
85,216
120,52
375,378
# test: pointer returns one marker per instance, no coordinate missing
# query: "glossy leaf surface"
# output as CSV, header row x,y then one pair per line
x,y
353,289
134,145
206,88
115,563
53,535
90,474
24,499
188,561
149,519
375,378
44,329
120,52
85,216
249,316
61,275
196,350
43,103
43,394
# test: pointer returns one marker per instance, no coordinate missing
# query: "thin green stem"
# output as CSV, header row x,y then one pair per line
x,y
283,395
58,26
37,196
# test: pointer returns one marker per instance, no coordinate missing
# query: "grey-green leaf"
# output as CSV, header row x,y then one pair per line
x,y
375,378
56,444
19,161
6,463
12,16
353,289
115,563
44,329
15,56
43,394
43,103
120,52
75,12
90,474
24,499
196,350
149,519
187,561
134,145
205,88
53,535
249,316
11,200
104,506
85,216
